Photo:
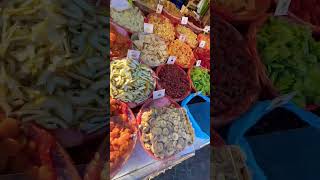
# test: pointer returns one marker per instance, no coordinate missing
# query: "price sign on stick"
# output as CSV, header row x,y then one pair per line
x,y
282,7
159,9
182,37
171,59
133,54
159,94
202,44
148,28
206,29
184,20
198,63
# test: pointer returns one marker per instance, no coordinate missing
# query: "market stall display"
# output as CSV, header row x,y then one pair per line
x,y
164,130
291,58
236,83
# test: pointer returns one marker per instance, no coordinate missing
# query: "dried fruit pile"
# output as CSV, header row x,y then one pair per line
x,y
174,80
235,84
122,134
56,80
166,131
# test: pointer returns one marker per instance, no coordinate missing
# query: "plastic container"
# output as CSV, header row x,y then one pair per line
x,y
286,150
243,18
159,86
157,103
199,116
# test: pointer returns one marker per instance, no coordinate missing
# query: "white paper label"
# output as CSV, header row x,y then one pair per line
x,y
282,7
184,20
182,37
148,28
171,59
198,63
202,44
133,54
206,29
120,5
159,94
159,8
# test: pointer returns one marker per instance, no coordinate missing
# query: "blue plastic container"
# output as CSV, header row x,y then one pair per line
x,y
292,154
199,115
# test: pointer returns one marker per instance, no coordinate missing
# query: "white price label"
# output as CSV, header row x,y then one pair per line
x,y
198,63
133,54
184,20
159,94
182,37
202,44
206,29
171,59
148,28
282,7
159,8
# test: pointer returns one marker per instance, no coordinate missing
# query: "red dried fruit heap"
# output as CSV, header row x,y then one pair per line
x,y
174,80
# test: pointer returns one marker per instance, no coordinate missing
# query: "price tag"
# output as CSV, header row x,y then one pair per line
x,y
281,100
133,54
184,20
148,28
159,94
159,9
282,7
171,59
206,29
202,44
198,63
182,37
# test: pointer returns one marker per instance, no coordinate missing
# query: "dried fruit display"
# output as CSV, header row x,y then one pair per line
x,y
131,18
183,52
203,55
200,79
153,50
162,27
165,131
131,81
235,85
174,80
122,134
32,151
191,37
119,41
59,80
205,38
